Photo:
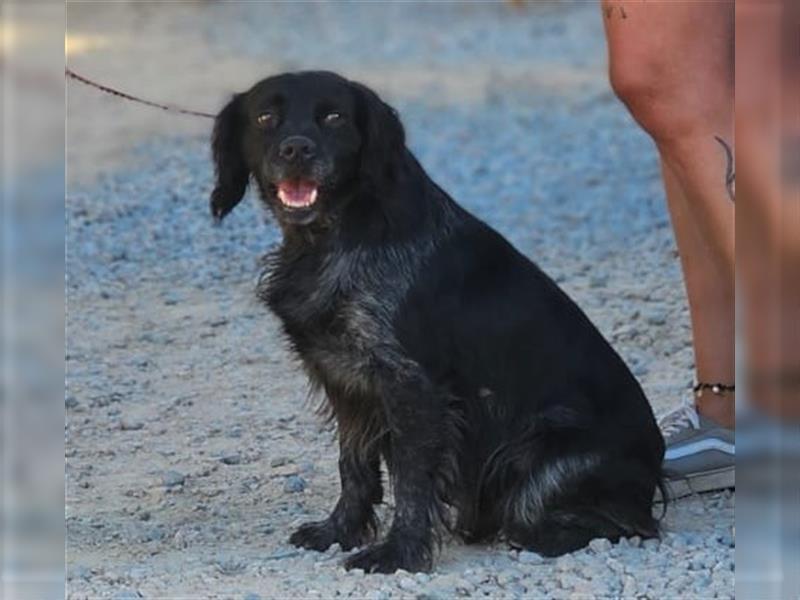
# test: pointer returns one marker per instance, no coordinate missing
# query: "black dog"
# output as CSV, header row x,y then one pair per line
x,y
497,406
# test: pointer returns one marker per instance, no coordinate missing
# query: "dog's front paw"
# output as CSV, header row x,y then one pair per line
x,y
391,555
321,535
318,535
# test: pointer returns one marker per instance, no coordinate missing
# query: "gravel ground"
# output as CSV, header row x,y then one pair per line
x,y
191,449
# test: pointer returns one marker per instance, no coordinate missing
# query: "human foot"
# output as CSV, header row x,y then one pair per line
x,y
700,454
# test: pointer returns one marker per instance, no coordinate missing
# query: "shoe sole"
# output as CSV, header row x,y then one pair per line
x,y
699,483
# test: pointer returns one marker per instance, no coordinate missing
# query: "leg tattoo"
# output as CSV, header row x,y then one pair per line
x,y
730,173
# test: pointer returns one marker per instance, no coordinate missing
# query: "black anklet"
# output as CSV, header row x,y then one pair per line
x,y
716,388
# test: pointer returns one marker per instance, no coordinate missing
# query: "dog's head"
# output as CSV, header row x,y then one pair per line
x,y
309,140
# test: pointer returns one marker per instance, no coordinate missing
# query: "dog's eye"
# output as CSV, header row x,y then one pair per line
x,y
267,119
333,118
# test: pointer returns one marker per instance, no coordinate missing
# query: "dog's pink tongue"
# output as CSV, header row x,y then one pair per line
x,y
297,193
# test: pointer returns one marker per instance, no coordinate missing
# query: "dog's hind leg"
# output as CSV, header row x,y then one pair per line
x,y
567,502
560,531
352,522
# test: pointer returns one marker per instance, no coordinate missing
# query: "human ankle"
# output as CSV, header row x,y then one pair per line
x,y
720,408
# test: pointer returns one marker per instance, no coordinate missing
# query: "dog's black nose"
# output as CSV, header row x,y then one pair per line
x,y
297,147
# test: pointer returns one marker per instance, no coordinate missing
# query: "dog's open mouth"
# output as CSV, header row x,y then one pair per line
x,y
297,194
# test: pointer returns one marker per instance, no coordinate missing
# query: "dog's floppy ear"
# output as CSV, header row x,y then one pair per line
x,y
383,138
231,169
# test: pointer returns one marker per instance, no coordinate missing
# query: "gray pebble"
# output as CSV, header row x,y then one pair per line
x,y
464,587
566,562
230,565
128,425
506,576
651,544
153,534
334,548
655,316
629,587
600,545
407,583
172,298
530,558
294,484
640,369
172,478
231,459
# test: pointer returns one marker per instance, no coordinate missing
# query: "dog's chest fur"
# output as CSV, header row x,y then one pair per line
x,y
337,308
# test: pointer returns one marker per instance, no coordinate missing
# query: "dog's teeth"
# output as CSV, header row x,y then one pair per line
x,y
287,200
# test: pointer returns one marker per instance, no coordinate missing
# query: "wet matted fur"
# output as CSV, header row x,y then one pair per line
x,y
498,408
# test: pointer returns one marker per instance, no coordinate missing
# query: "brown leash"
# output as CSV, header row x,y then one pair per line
x,y
108,90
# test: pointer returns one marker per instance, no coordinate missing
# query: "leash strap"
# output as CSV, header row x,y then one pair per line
x,y
108,90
